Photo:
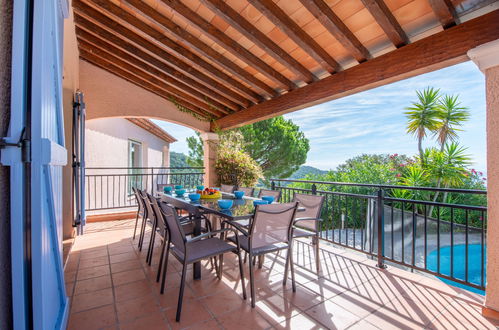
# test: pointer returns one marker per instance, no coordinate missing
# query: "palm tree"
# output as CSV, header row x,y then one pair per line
x,y
451,114
422,116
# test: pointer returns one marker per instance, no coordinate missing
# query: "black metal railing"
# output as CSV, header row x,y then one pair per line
x,y
404,225
111,187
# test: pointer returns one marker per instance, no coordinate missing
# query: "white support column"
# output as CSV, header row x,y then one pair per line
x,y
486,57
210,146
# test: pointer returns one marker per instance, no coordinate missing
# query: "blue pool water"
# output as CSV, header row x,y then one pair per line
x,y
474,264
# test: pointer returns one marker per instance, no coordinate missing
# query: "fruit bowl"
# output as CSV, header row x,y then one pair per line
x,y
211,196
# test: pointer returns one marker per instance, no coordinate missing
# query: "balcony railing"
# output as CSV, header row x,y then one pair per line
x,y
111,187
403,225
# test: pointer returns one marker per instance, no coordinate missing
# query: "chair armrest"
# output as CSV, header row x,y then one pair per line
x,y
307,219
237,226
210,234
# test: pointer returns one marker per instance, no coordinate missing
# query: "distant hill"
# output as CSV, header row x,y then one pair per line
x,y
178,159
305,170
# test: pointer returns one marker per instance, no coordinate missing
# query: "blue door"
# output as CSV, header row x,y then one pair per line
x,y
38,291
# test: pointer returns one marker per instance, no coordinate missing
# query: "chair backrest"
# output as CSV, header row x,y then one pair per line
x,y
181,205
272,223
160,219
147,202
313,207
267,192
137,198
175,231
141,195
247,191
226,188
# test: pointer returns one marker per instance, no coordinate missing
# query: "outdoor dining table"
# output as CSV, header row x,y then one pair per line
x,y
241,209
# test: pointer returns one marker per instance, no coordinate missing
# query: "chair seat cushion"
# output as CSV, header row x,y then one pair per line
x,y
297,232
243,242
204,249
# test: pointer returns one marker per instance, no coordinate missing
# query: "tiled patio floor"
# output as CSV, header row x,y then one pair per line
x,y
111,287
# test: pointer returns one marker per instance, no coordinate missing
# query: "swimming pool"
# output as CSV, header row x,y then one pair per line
x,y
474,264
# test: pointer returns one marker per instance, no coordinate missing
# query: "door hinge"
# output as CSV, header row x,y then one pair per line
x,y
22,143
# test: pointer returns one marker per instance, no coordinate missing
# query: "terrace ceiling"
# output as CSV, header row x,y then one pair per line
x,y
239,61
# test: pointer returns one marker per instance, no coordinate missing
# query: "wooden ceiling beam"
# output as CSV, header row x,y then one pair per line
x,y
104,35
97,16
229,44
445,11
437,51
185,37
138,82
324,14
244,27
278,17
387,22
102,57
103,49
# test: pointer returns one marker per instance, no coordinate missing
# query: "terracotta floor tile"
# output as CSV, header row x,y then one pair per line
x,y
128,276
207,325
169,298
126,265
132,290
93,262
92,284
223,302
243,318
120,249
332,316
363,325
97,271
356,303
303,298
300,321
92,299
123,257
131,309
70,276
460,315
192,312
150,322
96,318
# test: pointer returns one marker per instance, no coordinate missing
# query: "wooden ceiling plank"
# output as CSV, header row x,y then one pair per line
x,y
244,27
445,12
84,24
325,15
228,43
102,48
387,21
138,82
184,36
103,57
437,51
95,15
278,17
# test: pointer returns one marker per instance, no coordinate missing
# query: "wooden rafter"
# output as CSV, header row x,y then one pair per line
x,y
232,46
115,70
387,22
431,53
84,24
104,57
187,38
445,11
102,48
324,14
244,27
296,33
106,22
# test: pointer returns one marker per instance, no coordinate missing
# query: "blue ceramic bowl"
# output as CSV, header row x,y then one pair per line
x,y
180,192
225,204
269,199
239,194
260,202
167,189
200,187
177,187
194,197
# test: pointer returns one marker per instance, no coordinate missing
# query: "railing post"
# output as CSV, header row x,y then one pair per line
x,y
272,185
381,228
314,189
152,181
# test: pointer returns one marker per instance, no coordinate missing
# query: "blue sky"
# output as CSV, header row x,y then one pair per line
x,y
373,121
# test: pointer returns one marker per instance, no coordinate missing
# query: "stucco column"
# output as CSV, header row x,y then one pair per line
x,y
486,57
210,146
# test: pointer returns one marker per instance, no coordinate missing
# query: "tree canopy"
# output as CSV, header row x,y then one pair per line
x,y
196,153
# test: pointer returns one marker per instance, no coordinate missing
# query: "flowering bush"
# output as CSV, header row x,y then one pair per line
x,y
234,166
